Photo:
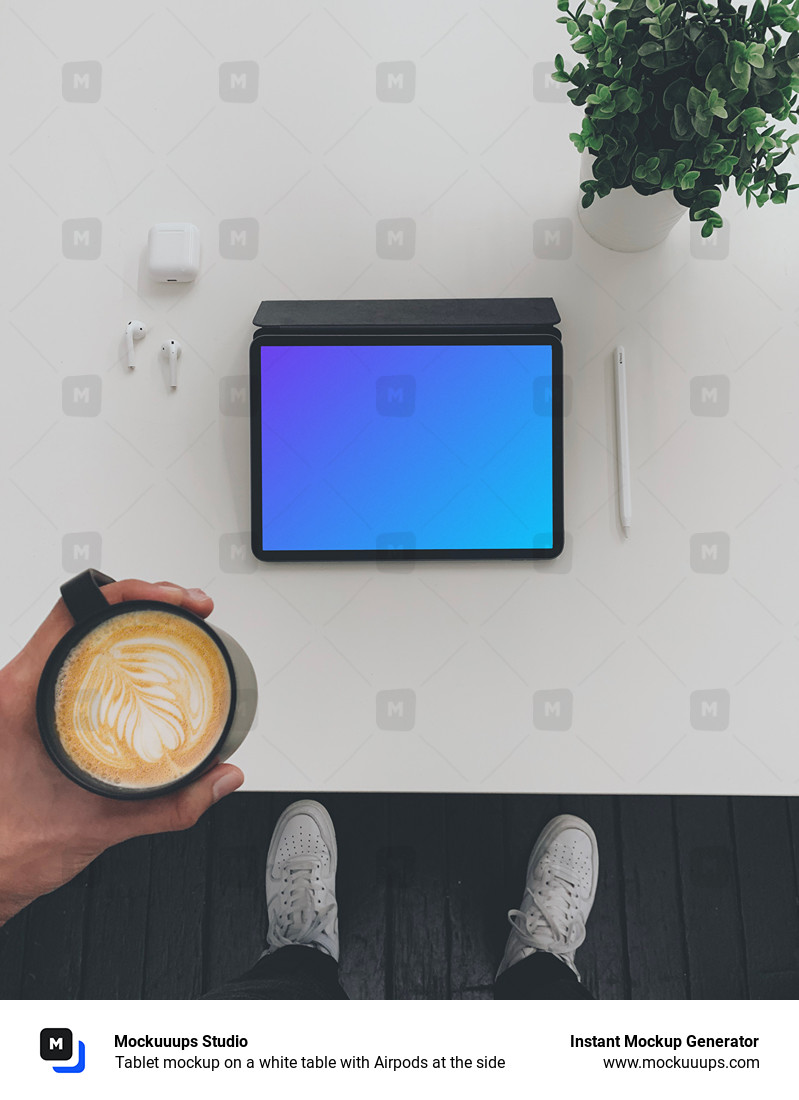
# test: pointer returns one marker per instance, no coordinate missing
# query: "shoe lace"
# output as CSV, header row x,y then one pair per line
x,y
549,924
297,916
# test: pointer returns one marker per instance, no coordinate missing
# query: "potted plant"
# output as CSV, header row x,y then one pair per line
x,y
681,98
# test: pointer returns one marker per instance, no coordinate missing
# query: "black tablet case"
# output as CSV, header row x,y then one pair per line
x,y
508,315
535,316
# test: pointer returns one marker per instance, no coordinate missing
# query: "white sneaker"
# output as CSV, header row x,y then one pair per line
x,y
301,880
561,884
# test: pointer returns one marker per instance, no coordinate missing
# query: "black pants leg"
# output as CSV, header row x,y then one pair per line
x,y
303,973
291,974
540,977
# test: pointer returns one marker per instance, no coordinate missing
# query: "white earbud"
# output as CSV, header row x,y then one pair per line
x,y
134,331
173,349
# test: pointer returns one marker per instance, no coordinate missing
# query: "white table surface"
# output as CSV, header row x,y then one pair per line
x,y
585,674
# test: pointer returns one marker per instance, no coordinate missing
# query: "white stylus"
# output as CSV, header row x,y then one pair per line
x,y
623,443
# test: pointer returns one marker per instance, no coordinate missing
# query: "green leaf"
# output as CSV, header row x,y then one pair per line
x,y
717,78
673,40
736,51
697,100
676,92
702,123
740,75
715,104
579,141
754,54
682,120
620,31
753,116
601,96
711,197
711,55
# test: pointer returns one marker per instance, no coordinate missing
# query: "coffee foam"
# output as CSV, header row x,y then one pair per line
x,y
142,699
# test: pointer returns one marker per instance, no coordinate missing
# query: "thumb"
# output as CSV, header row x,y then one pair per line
x,y
185,807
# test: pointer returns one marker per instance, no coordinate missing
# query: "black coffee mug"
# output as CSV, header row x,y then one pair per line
x,y
89,608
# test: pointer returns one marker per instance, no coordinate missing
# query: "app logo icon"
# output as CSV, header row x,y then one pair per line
x,y
56,1044
396,709
396,81
396,395
238,81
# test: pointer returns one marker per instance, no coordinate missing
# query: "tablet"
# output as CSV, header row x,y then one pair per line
x,y
406,446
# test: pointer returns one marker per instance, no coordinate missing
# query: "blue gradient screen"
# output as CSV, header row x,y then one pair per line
x,y
412,446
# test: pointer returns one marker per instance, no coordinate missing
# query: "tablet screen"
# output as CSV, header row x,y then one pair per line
x,y
423,444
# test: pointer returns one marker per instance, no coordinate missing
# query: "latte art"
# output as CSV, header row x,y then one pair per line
x,y
142,699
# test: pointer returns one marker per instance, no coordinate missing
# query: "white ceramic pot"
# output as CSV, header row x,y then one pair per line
x,y
626,221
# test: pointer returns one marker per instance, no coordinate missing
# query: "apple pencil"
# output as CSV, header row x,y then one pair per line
x,y
623,443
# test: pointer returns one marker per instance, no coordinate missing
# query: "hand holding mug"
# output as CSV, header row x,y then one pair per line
x,y
50,828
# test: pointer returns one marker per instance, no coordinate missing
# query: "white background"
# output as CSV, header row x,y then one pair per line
x,y
535,1044
478,158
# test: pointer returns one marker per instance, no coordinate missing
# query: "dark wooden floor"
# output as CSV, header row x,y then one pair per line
x,y
697,898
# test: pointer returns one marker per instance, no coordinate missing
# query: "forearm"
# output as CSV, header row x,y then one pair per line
x,y
8,910
10,901
22,858
12,897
